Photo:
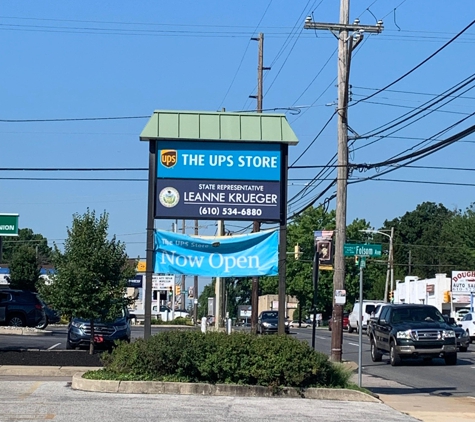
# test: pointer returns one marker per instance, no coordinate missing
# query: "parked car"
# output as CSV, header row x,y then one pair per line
x,y
463,339
468,324
267,322
303,324
105,333
410,331
20,308
460,313
344,321
165,313
51,316
369,307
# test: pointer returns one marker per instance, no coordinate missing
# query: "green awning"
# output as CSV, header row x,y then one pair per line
x,y
218,126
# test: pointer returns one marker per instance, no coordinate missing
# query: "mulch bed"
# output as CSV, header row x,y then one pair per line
x,y
50,358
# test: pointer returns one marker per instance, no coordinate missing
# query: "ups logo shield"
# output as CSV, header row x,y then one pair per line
x,y
168,157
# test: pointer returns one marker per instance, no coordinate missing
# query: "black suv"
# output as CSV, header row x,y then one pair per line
x,y
20,308
410,331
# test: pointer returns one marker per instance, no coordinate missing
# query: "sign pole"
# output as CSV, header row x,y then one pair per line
x,y
316,262
360,322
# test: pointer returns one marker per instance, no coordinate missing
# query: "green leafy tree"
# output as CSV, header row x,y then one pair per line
x,y
24,269
91,274
420,241
26,237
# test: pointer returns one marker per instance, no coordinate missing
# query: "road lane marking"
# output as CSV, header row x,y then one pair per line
x,y
354,344
321,338
31,390
53,346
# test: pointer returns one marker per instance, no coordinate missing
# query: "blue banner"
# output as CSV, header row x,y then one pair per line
x,y
248,255
218,160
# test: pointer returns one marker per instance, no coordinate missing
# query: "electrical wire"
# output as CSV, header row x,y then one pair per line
x,y
417,66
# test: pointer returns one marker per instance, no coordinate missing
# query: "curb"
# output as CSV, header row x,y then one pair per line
x,y
25,332
159,387
44,371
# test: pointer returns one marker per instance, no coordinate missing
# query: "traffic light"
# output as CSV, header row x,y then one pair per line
x,y
170,291
446,296
357,260
190,292
297,252
177,289
391,296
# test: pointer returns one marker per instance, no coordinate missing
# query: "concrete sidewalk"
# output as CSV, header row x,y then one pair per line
x,y
423,406
419,405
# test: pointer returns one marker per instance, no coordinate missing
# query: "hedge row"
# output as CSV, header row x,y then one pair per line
x,y
240,358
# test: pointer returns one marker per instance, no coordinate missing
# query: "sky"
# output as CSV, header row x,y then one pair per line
x,y
68,65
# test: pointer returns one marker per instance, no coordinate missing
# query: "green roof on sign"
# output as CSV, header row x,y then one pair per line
x,y
218,126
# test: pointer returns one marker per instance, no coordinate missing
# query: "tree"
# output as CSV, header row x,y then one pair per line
x,y
91,274
418,237
24,269
26,237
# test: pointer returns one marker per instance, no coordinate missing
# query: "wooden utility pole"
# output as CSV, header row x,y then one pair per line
x,y
195,287
256,225
345,47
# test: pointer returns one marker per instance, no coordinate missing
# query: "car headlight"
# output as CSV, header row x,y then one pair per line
x,y
266,324
404,334
448,333
120,327
287,323
77,324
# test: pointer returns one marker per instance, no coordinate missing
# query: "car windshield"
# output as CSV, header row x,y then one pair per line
x,y
369,308
416,315
270,315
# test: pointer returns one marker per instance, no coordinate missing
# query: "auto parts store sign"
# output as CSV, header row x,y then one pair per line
x,y
218,180
8,224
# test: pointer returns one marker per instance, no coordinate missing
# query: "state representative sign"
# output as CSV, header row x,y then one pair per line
x,y
248,255
204,199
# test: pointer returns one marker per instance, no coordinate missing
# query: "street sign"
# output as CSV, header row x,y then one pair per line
x,y
8,224
362,249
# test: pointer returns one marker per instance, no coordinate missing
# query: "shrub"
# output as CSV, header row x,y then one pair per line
x,y
240,358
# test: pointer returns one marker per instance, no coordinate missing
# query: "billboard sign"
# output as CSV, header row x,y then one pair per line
x,y
218,160
8,224
162,282
463,281
210,199
248,255
136,281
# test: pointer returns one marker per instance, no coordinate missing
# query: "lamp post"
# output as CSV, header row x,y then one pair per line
x,y
390,259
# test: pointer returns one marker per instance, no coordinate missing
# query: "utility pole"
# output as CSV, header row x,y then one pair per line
x,y
345,47
195,287
391,257
256,225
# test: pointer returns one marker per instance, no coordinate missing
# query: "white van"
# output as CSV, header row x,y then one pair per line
x,y
369,307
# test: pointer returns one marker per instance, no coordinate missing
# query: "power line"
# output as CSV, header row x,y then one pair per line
x,y
417,66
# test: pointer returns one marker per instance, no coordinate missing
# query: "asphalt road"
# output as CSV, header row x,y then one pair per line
x,y
433,378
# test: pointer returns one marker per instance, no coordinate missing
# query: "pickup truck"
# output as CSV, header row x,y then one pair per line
x,y
411,331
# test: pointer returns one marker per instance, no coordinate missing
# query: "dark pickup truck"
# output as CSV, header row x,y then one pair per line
x,y
411,331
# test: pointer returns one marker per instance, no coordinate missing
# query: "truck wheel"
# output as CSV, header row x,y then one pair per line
x,y
394,357
376,355
451,359
463,349
350,328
